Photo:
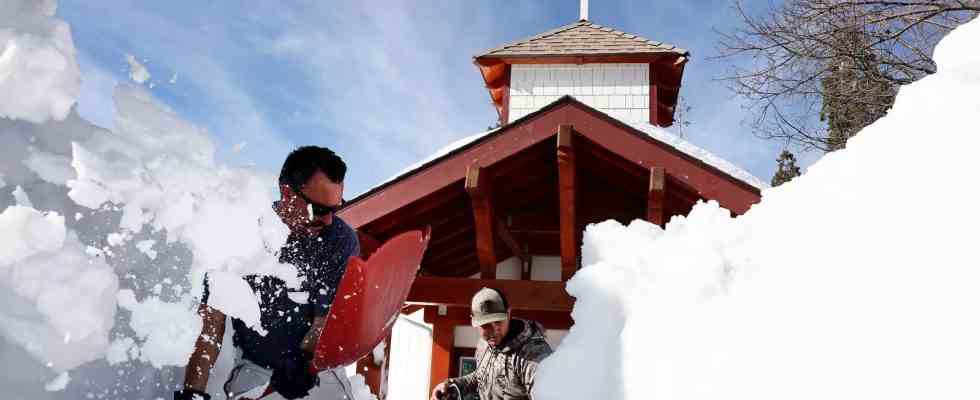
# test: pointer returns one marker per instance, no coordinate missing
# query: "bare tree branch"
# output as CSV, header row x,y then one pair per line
x,y
817,71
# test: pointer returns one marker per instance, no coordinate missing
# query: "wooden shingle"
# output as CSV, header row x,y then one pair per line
x,y
582,38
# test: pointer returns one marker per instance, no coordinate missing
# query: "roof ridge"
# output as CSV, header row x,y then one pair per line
x,y
535,37
596,33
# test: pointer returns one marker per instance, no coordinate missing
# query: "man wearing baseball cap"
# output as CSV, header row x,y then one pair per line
x,y
506,359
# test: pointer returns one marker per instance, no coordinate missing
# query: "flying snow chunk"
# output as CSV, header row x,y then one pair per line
x,y
21,198
25,232
137,72
167,331
146,247
59,383
50,167
234,297
39,76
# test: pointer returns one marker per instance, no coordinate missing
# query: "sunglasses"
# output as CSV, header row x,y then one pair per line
x,y
318,209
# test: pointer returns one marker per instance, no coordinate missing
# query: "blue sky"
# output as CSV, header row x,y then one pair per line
x,y
384,83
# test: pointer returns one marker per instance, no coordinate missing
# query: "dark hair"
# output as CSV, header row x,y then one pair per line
x,y
502,297
302,163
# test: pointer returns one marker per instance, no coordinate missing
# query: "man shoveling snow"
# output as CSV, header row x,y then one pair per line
x,y
319,245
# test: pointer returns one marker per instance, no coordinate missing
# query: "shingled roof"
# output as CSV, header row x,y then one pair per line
x,y
582,38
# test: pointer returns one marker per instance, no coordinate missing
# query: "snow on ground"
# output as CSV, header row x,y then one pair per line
x,y
857,280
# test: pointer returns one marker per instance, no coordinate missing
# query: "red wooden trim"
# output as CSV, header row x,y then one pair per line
x,y
566,202
612,58
479,188
522,295
616,137
655,196
442,346
505,102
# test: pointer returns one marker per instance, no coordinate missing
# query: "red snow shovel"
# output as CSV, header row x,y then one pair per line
x,y
368,301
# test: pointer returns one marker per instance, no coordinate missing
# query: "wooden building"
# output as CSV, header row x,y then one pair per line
x,y
581,109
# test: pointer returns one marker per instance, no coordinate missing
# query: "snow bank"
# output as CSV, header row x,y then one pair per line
x,y
858,279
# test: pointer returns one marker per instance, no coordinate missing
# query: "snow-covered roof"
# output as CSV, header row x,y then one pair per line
x,y
655,132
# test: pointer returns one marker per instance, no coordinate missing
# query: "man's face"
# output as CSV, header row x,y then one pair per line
x,y
494,332
295,212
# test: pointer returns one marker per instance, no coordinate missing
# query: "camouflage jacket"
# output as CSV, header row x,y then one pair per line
x,y
506,372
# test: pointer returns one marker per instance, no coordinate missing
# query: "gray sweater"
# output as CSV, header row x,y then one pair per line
x,y
506,372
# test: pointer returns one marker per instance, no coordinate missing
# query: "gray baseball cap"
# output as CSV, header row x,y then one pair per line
x,y
487,306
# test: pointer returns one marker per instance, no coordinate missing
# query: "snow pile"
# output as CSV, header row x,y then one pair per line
x,y
838,285
38,73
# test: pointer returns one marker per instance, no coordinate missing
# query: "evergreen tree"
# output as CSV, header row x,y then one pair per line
x,y
786,170
854,93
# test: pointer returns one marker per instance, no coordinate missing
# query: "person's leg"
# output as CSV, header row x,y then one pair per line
x,y
334,385
247,381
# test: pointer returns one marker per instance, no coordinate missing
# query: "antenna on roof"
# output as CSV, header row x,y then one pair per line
x,y
583,10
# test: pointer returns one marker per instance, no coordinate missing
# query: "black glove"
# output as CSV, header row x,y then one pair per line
x,y
450,391
191,394
293,378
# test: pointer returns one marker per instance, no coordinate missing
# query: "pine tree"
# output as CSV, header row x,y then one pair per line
x,y
786,170
855,94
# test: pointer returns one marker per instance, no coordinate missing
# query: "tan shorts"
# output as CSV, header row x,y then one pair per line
x,y
249,381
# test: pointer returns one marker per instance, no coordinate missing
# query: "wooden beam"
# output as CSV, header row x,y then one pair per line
x,y
655,196
460,316
479,189
566,202
411,309
442,345
522,295
510,241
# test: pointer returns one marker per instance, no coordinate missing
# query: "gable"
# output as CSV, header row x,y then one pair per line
x,y
705,180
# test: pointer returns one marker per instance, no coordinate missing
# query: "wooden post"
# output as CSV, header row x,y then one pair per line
x,y
566,202
478,187
655,196
442,347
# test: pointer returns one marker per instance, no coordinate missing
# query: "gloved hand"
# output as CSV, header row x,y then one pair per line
x,y
293,378
191,394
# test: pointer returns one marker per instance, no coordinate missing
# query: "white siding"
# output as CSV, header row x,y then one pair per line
x,y
620,90
411,355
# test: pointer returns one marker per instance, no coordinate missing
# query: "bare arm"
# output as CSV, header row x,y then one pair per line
x,y
206,349
311,338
